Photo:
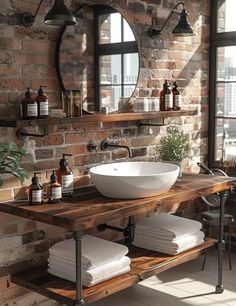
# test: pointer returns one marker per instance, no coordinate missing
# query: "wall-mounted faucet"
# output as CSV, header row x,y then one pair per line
x,y
105,144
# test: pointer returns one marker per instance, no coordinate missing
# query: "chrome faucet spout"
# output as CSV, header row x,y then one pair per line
x,y
106,144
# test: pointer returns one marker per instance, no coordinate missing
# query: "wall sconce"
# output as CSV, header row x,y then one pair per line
x,y
183,27
59,15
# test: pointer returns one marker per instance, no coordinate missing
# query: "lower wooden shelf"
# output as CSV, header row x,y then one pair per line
x,y
145,263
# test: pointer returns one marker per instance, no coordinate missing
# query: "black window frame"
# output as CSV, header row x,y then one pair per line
x,y
121,48
221,39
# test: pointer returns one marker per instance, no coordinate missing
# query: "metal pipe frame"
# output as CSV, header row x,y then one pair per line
x,y
78,255
221,243
128,231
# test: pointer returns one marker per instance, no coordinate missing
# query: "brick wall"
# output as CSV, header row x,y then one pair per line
x,y
27,60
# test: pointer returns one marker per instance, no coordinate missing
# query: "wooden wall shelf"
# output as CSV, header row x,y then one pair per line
x,y
96,118
145,263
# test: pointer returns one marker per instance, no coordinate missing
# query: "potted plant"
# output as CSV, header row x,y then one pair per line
x,y
174,147
10,161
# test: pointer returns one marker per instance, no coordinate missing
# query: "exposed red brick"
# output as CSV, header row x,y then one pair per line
x,y
53,140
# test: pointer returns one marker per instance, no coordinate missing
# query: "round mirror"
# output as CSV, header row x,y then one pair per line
x,y
98,59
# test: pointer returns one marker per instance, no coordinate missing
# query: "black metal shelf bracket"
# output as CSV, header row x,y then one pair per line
x,y
128,231
141,123
22,133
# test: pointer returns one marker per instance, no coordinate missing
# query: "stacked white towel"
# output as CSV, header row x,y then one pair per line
x,y
101,260
168,234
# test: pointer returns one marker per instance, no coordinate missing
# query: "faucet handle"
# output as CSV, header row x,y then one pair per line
x,y
104,145
91,146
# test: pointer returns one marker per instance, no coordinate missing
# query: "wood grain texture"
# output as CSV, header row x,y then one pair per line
x,y
145,263
88,208
96,118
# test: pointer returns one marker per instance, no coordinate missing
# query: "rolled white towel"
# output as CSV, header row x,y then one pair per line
x,y
95,251
169,225
91,274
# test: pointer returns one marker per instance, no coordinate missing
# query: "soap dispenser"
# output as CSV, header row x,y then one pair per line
x,y
166,98
55,193
35,191
176,97
42,101
65,177
29,106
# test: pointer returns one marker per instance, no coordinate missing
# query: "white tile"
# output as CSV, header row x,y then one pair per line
x,y
185,285
118,300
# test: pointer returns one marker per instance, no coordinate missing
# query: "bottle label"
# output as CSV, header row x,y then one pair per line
x,y
32,110
67,183
168,101
56,193
178,100
37,196
43,108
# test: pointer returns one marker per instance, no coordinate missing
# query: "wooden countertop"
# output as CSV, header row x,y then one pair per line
x,y
88,208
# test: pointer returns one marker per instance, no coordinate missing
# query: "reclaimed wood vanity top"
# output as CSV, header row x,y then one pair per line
x,y
88,208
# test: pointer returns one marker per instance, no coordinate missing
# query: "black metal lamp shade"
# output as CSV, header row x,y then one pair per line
x,y
183,27
59,15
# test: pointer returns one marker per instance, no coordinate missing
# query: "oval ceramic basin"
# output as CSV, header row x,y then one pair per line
x,y
133,180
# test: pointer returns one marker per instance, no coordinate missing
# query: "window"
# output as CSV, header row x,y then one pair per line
x,y
116,58
222,140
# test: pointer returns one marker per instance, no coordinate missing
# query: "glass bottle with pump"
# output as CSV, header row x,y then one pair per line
x,y
55,193
166,98
65,177
42,101
35,191
162,97
177,98
29,106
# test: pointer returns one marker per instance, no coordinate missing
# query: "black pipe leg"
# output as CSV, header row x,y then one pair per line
x,y
221,243
229,247
78,255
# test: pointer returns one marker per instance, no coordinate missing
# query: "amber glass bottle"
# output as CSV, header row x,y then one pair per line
x,y
29,106
162,97
42,101
177,98
55,194
35,191
65,177
166,98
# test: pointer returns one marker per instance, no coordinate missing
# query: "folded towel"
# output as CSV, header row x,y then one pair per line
x,y
166,249
161,235
87,283
91,274
169,225
95,251
176,245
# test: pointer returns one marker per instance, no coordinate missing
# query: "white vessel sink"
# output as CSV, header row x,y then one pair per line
x,y
133,180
